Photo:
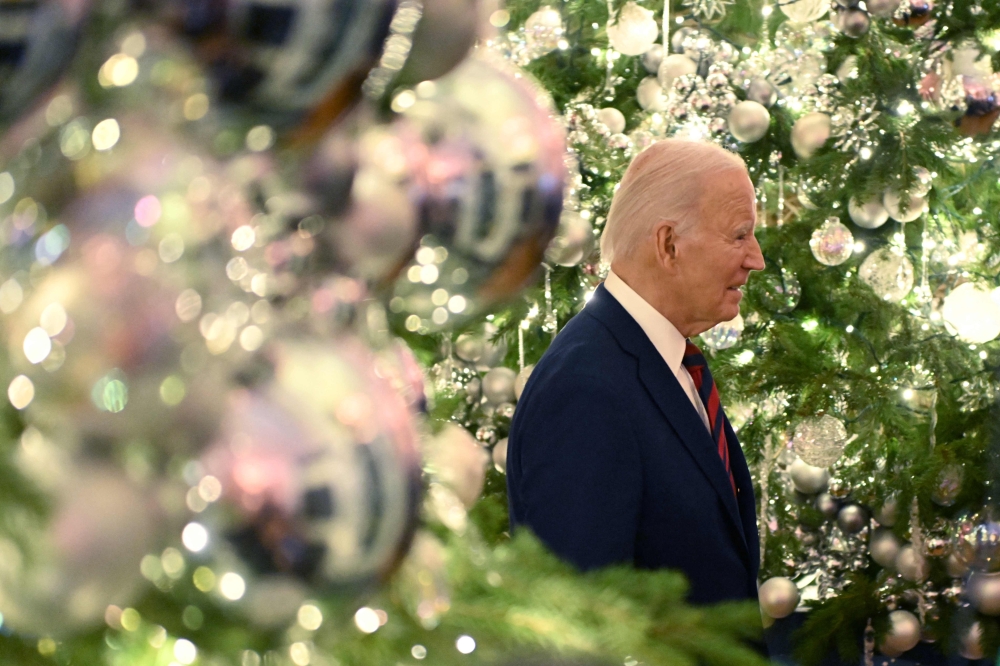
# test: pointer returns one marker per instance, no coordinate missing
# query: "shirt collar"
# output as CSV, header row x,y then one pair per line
x,y
663,334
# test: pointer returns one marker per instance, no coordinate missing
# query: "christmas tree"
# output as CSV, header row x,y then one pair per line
x,y
219,223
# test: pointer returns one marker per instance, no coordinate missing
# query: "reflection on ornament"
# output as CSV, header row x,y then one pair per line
x,y
903,634
892,200
777,292
809,133
806,478
820,441
884,547
749,121
574,240
723,335
911,564
674,66
804,11
971,313
852,519
832,243
498,385
634,31
948,485
888,272
869,215
778,597
457,461
499,456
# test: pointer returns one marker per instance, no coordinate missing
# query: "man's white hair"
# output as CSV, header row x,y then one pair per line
x,y
664,182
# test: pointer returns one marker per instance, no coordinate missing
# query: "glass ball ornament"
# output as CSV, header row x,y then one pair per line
x,y
883,547
777,292
983,590
807,478
279,61
522,380
778,596
396,363
903,635
851,21
83,557
40,39
458,461
319,472
724,335
852,519
908,212
649,93
574,240
749,121
948,485
634,30
499,456
912,565
888,272
868,215
820,441
673,67
971,313
543,30
762,91
652,58
805,11
809,133
498,385
832,243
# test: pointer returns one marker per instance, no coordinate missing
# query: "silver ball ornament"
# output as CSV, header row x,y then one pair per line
x,y
869,215
806,478
762,92
903,634
887,513
470,347
911,564
522,380
543,30
809,133
852,519
892,200
884,547
498,385
573,242
983,589
749,121
882,8
778,597
652,58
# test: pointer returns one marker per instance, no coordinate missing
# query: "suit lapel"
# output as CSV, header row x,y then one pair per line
x,y
673,402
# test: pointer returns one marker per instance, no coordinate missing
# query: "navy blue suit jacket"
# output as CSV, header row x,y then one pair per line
x,y
608,462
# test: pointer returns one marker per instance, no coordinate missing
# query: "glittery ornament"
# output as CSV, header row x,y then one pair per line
x,y
762,92
884,547
574,240
458,461
852,519
778,597
809,133
888,272
903,634
39,42
633,31
652,58
820,441
971,313
498,385
806,478
914,208
805,11
674,66
543,30
749,121
832,243
777,292
723,335
868,215
948,485
911,564
499,455
522,380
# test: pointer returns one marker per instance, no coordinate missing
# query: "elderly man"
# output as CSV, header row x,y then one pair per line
x,y
619,451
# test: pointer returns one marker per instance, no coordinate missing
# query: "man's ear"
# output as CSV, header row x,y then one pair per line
x,y
665,237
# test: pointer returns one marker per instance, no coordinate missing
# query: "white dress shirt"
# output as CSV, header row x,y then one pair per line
x,y
664,336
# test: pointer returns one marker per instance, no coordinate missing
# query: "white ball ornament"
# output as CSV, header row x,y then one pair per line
x,y
888,272
522,380
613,119
805,11
832,243
911,565
749,121
884,547
806,478
903,634
983,589
809,133
893,203
650,96
635,31
652,58
498,385
778,597
673,66
971,313
868,215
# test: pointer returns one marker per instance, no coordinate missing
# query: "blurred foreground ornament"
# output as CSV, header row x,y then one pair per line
x,y
884,547
809,133
869,215
808,479
458,461
749,121
779,292
820,441
574,240
913,13
983,589
85,557
38,42
319,475
498,385
634,31
723,335
832,243
778,597
903,634
888,272
971,313
805,11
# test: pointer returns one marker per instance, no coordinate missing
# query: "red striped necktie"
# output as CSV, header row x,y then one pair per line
x,y
695,362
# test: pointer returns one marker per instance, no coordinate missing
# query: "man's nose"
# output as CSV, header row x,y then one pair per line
x,y
754,260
